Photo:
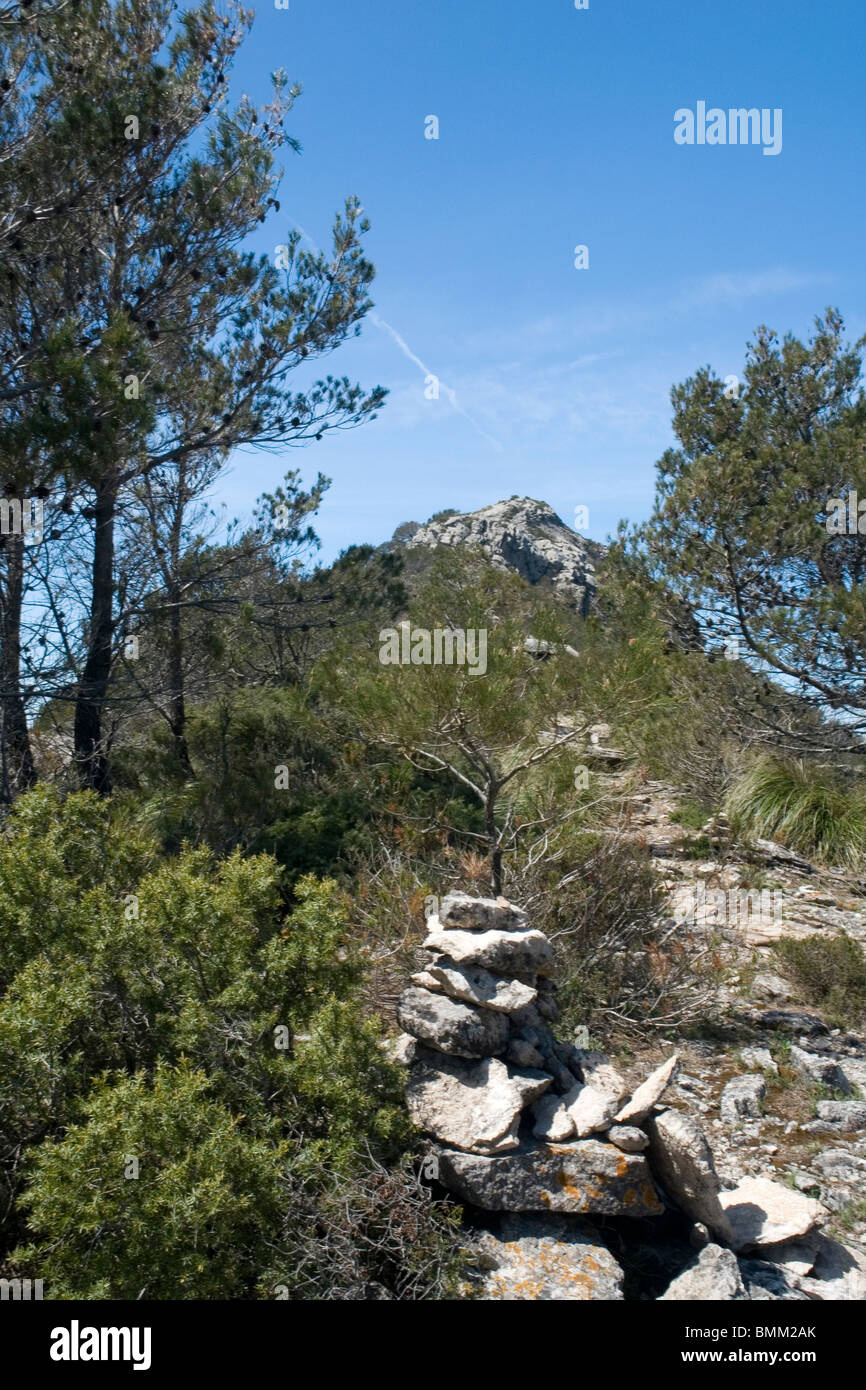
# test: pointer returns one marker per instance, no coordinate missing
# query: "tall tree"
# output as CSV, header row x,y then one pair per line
x,y
183,340
31,221
746,525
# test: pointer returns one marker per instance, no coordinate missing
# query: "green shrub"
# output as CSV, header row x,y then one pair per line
x,y
65,865
236,745
690,815
831,974
194,1221
366,1233
801,806
177,1015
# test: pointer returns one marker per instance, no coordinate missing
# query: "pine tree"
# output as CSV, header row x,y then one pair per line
x,y
744,522
171,342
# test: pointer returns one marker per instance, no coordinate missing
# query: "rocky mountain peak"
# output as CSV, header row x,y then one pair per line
x,y
519,534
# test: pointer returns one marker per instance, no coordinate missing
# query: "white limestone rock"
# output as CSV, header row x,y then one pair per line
x,y
759,1059
459,1029
591,1109
682,1161
761,1212
525,535
713,1277
825,1070
838,1275
649,1093
551,1119
596,1070
518,953
741,1098
628,1138
461,911
475,1106
475,985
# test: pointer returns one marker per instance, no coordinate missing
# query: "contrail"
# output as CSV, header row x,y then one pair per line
x,y
449,392
407,352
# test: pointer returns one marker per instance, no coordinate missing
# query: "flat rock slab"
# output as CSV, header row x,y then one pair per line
x,y
713,1277
761,1212
580,1177
518,952
546,1259
461,1030
473,1105
839,1274
649,1093
460,910
474,985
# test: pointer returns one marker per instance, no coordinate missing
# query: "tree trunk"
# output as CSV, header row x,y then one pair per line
x,y
493,840
18,772
90,752
177,701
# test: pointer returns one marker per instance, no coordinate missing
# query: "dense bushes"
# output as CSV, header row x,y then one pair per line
x,y
159,1193
152,1011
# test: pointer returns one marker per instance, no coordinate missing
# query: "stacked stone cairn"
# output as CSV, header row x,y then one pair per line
x,y
548,1134
520,1121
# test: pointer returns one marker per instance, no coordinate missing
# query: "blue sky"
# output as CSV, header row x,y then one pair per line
x,y
555,129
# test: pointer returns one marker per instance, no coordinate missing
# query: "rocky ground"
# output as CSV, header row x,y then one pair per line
x,y
779,1091
732,1172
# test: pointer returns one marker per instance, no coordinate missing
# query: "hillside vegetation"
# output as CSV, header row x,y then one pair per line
x,y
227,806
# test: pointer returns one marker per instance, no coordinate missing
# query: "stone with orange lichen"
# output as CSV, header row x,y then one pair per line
x,y
579,1177
545,1259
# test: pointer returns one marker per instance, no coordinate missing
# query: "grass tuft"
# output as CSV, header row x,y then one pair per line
x,y
803,807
